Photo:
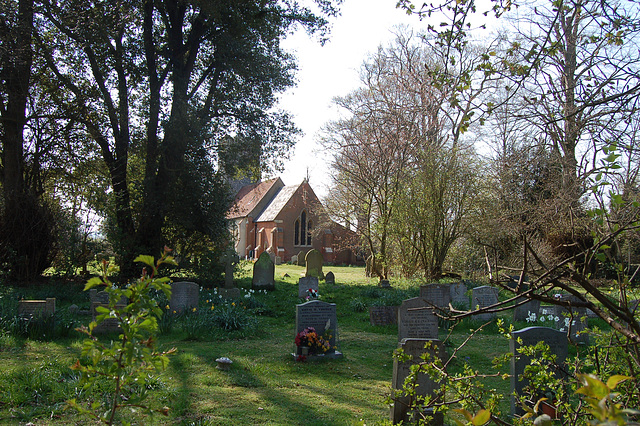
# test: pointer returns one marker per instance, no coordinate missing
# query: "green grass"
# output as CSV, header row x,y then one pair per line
x,y
264,385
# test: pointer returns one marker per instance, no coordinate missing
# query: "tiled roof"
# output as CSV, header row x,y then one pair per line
x,y
248,198
279,201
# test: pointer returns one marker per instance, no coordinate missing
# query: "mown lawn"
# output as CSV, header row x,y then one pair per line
x,y
264,385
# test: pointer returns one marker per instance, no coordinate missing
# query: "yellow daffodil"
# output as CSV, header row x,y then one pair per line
x,y
194,309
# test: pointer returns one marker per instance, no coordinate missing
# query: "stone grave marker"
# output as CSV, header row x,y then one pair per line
x,y
306,283
522,312
318,314
384,284
437,295
558,345
416,320
263,273
37,308
294,259
330,278
313,261
108,325
229,259
184,296
383,315
458,295
401,370
573,321
482,297
301,256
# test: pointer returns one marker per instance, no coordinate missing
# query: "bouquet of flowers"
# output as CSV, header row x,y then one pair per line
x,y
312,294
314,341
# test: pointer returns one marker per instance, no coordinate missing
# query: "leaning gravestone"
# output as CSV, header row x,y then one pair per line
x,y
383,315
184,296
458,295
313,261
425,386
330,278
557,342
301,256
37,308
437,295
417,320
305,284
321,316
264,273
523,311
482,297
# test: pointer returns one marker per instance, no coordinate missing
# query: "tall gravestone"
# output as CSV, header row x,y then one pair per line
x,y
482,297
305,284
425,386
264,272
321,316
416,320
438,295
530,336
313,261
229,259
184,296
458,295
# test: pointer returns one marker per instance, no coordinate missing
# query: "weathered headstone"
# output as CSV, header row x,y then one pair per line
x,y
278,260
37,308
305,284
458,295
184,296
301,255
321,316
383,315
108,325
313,261
264,273
522,312
572,321
330,278
416,320
425,386
482,297
557,342
229,259
294,259
384,284
438,295
102,297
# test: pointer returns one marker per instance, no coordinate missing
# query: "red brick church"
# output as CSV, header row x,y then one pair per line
x,y
285,220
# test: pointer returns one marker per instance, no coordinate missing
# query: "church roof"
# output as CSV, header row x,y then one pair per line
x,y
277,204
250,196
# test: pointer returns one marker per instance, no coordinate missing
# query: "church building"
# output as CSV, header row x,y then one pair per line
x,y
284,221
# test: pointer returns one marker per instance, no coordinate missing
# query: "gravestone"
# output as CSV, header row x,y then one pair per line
x,y
458,295
96,296
294,259
306,283
37,308
383,315
438,295
557,342
229,259
263,273
384,284
330,278
108,325
522,312
318,314
184,296
313,261
482,297
401,370
572,321
416,320
301,261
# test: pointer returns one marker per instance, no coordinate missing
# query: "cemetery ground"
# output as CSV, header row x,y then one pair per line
x,y
264,384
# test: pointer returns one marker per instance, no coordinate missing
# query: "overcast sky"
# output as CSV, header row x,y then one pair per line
x,y
329,71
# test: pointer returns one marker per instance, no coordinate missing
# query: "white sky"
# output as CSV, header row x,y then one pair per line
x,y
329,71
